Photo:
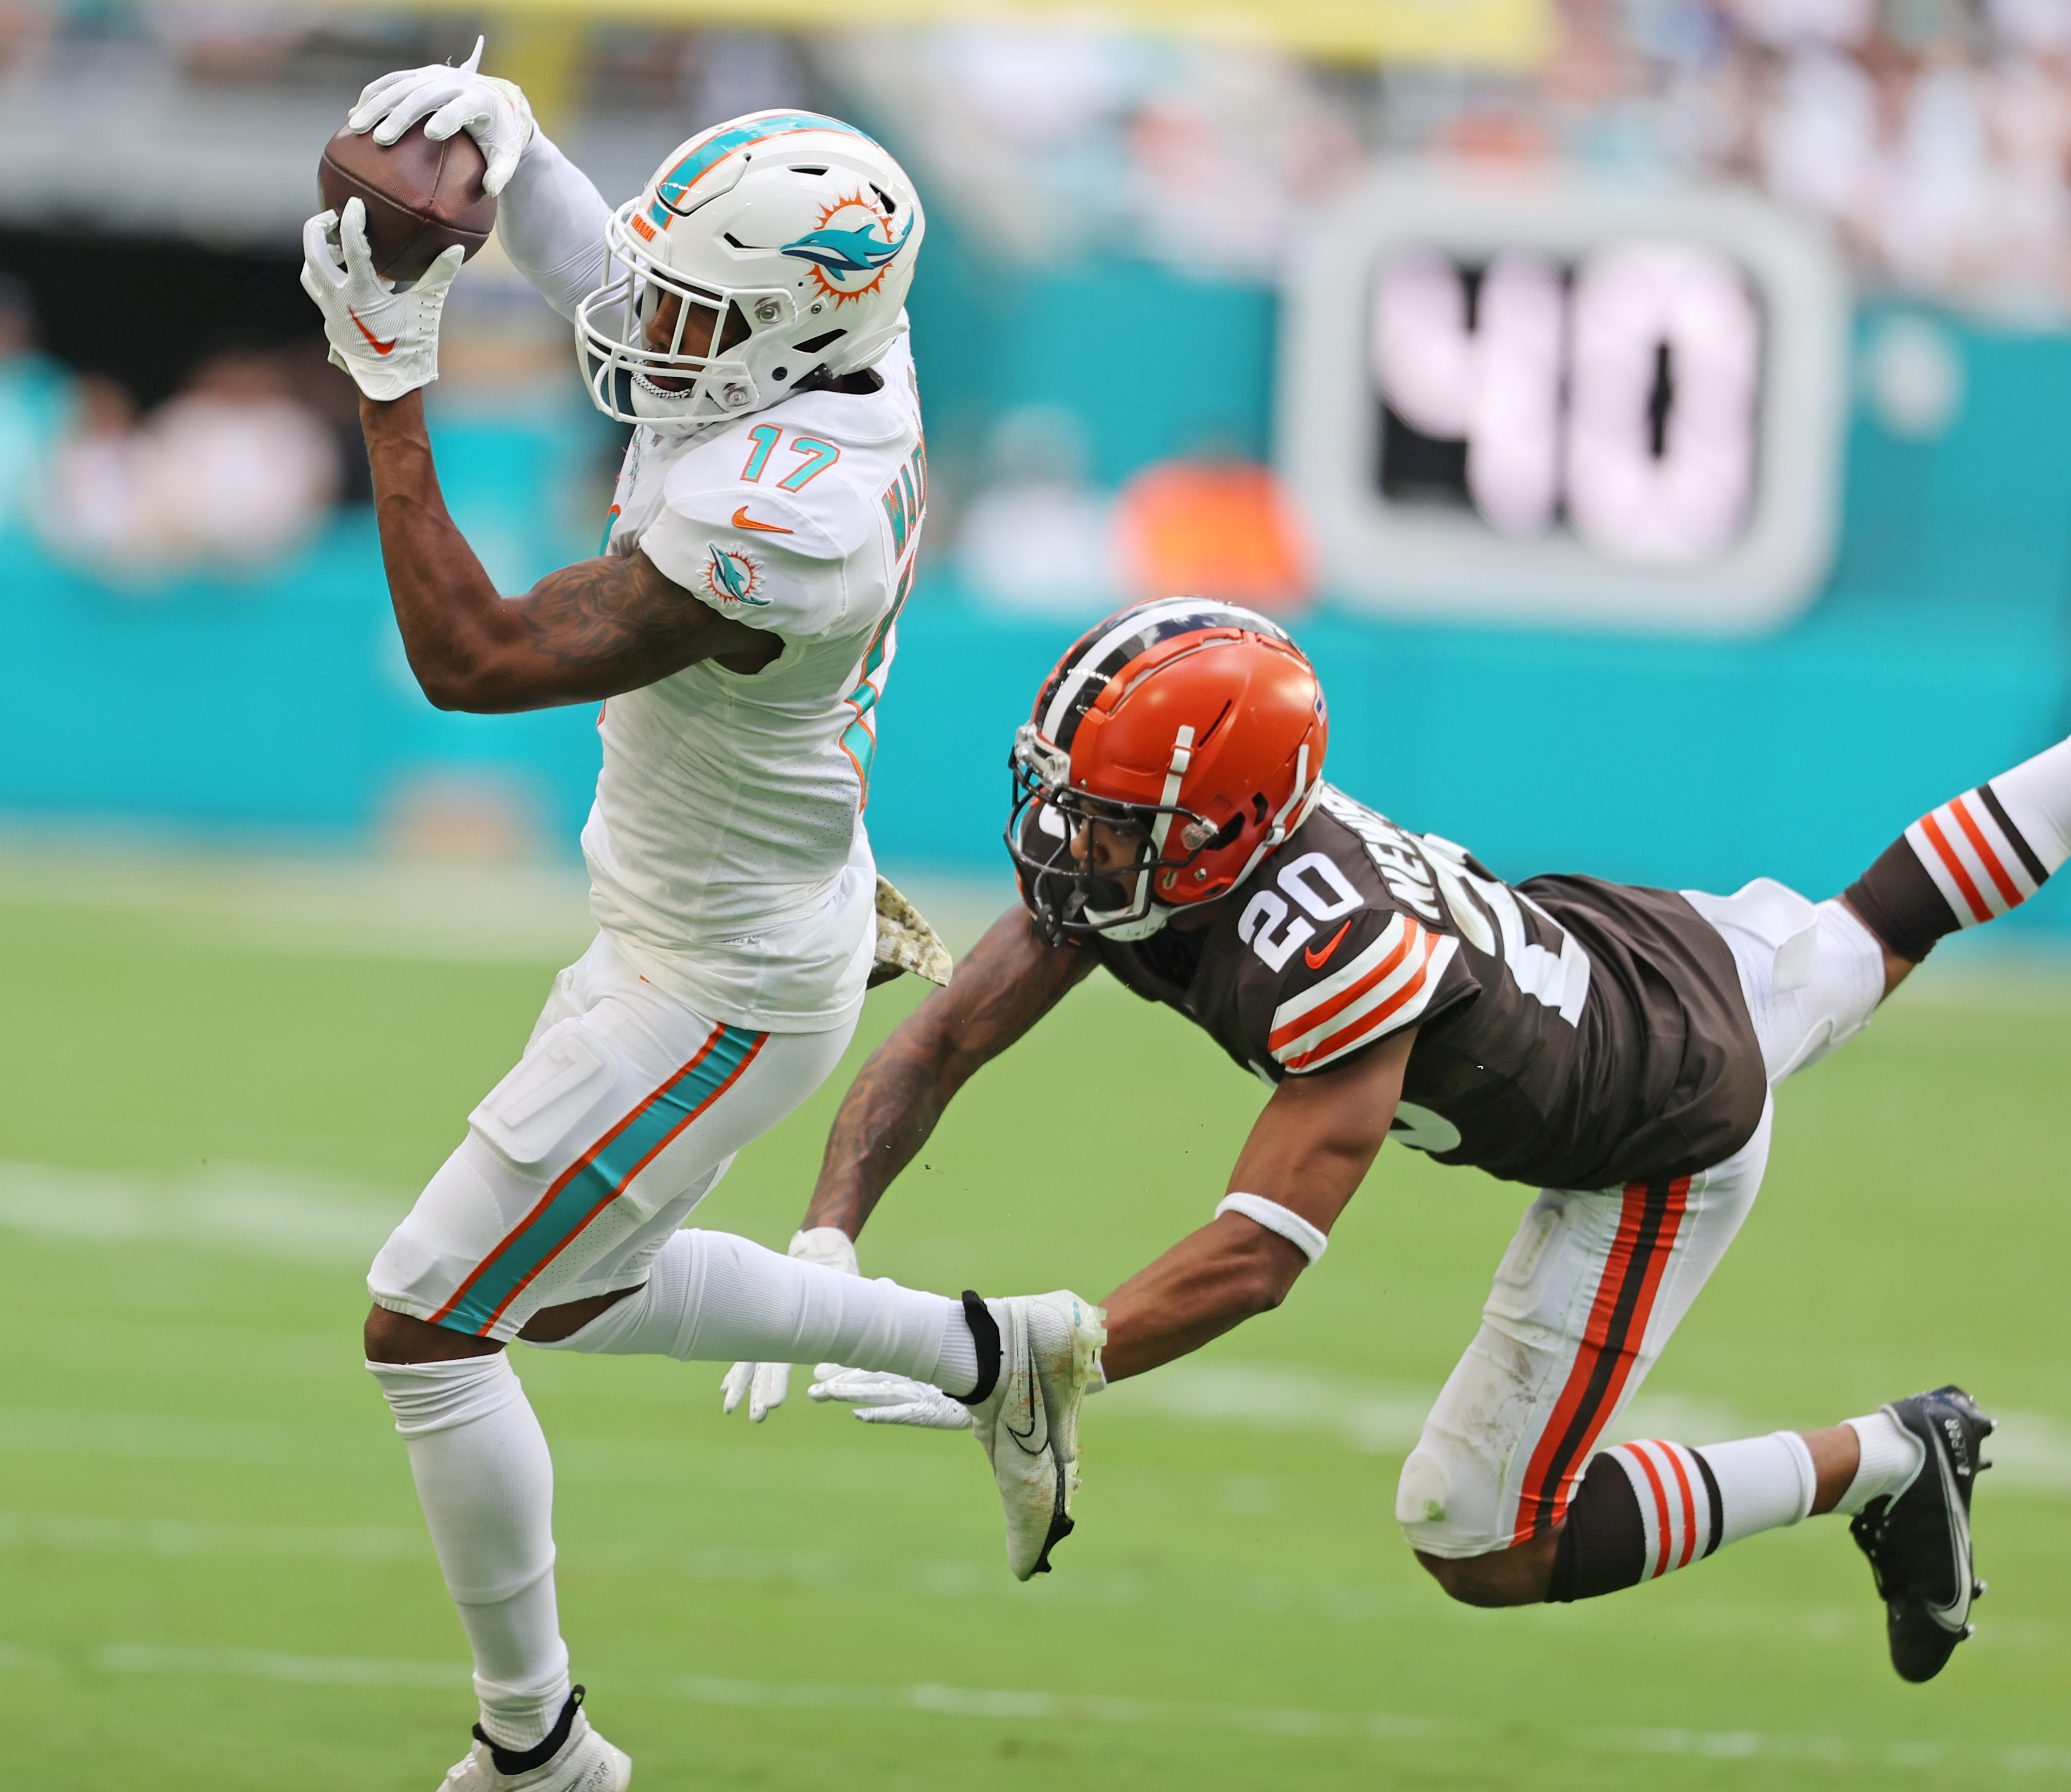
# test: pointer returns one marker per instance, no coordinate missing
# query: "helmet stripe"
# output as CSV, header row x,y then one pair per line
x,y
670,188
1134,632
1100,659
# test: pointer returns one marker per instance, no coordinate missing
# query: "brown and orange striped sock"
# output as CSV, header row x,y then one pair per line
x,y
1973,858
1646,1509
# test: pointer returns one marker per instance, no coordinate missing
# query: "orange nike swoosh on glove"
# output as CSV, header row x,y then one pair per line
x,y
743,520
380,347
1315,960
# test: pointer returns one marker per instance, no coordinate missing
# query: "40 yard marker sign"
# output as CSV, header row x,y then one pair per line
x,y
1543,399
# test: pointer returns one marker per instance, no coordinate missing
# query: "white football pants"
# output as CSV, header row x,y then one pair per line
x,y
624,1112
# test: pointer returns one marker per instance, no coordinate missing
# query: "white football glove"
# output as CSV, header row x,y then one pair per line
x,y
386,336
880,1397
766,1384
493,112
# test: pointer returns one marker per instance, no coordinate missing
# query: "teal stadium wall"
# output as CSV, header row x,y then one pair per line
x,y
1939,653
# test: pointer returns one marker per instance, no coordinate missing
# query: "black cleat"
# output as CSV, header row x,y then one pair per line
x,y
1918,1541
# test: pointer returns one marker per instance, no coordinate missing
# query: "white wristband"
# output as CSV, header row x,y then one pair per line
x,y
1275,1218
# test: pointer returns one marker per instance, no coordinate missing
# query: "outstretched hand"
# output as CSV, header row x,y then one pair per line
x,y
880,1397
493,112
386,336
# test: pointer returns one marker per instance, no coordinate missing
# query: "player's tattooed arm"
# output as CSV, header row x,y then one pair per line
x,y
589,631
1000,989
1309,1151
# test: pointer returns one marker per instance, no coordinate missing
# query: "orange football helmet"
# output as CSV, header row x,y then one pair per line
x,y
1194,729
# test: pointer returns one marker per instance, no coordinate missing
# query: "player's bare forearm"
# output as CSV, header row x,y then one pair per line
x,y
1212,1281
589,631
1001,988
1309,1151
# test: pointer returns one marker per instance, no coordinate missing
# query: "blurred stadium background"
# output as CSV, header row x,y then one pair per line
x,y
271,923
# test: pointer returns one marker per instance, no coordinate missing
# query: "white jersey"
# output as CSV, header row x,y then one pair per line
x,y
726,853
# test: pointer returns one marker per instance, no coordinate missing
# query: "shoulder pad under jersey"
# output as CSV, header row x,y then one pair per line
x,y
822,515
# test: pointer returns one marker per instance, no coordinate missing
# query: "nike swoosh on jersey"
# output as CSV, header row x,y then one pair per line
x,y
743,520
380,346
1315,960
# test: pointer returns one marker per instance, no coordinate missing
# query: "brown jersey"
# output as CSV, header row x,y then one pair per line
x,y
1573,1034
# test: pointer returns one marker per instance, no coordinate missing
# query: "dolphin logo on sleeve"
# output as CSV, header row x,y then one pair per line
x,y
732,577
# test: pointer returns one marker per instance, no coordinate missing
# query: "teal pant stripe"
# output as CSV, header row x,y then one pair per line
x,y
599,1180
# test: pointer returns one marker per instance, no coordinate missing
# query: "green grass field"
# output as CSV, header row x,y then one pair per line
x,y
213,1575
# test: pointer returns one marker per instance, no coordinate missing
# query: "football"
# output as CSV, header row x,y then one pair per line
x,y
421,197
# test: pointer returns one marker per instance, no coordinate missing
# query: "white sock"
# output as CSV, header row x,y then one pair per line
x,y
1891,1456
1763,1483
712,1297
956,1370
485,1482
2036,794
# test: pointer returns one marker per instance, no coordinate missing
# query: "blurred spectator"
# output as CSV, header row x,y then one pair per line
x,y
1212,528
1802,24
333,400
93,512
232,471
726,73
2030,117
234,42
1819,148
1039,538
1057,141
24,30
500,345
31,399
1932,136
2033,27
237,469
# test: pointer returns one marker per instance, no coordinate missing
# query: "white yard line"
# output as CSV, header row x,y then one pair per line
x,y
1340,1604
268,1664
246,1209
1023,1705
83,1533
358,907
375,908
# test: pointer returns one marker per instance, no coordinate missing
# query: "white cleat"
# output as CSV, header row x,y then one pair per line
x,y
1028,1421
581,1761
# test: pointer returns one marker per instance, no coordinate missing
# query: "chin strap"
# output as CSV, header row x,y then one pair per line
x,y
1299,805
1182,756
1153,918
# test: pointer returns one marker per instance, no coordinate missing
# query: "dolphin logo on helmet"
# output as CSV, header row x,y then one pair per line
x,y
843,253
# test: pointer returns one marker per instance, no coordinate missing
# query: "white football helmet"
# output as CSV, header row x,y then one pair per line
x,y
791,235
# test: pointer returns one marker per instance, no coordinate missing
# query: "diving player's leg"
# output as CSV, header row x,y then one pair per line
x,y
1506,1500
1903,1474
1590,1290
1970,860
